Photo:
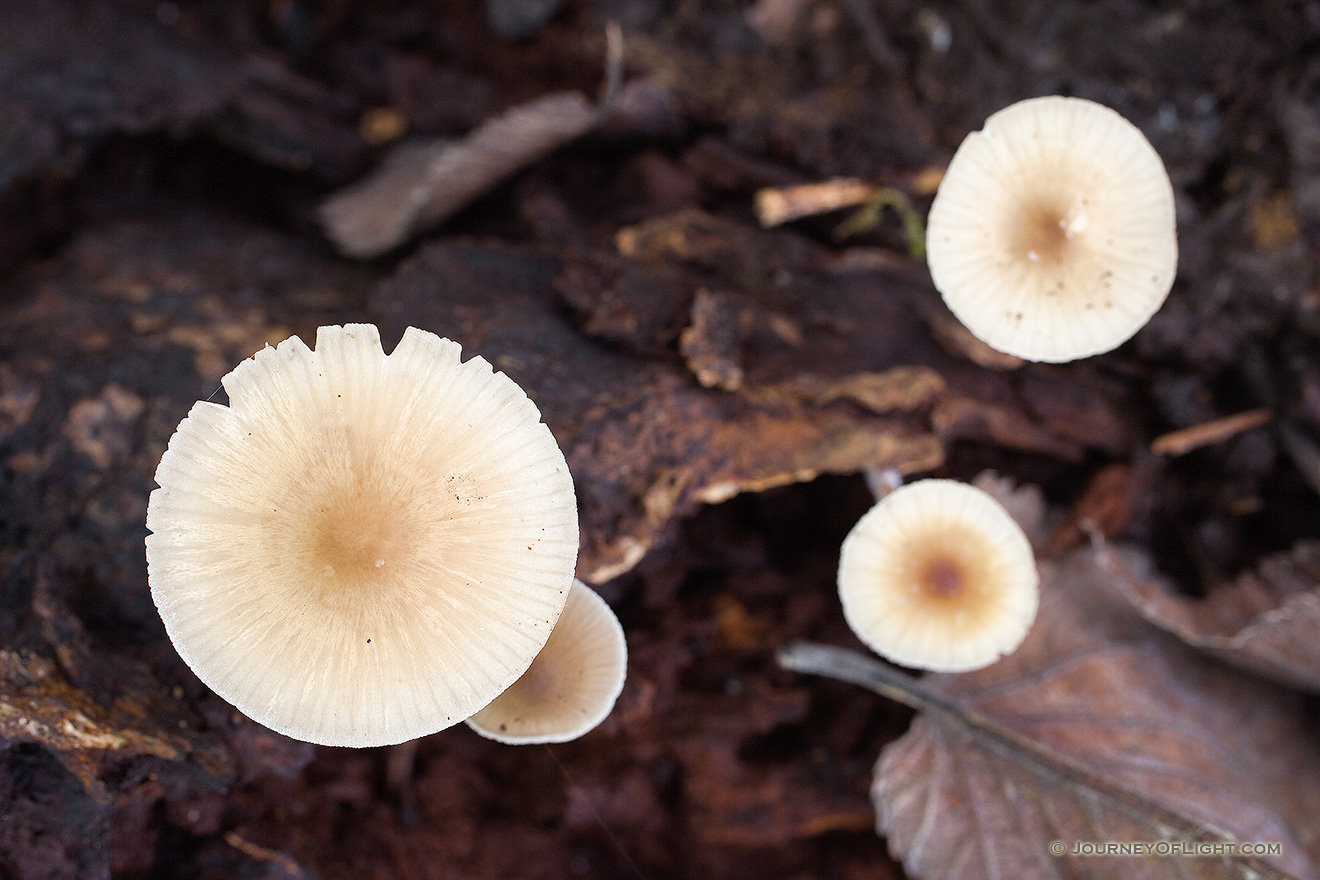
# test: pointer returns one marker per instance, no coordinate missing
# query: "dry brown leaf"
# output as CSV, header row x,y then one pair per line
x,y
1267,621
421,184
378,213
1098,729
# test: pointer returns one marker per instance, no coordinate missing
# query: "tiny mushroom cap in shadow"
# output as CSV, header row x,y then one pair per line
x,y
571,685
362,548
938,576
1052,235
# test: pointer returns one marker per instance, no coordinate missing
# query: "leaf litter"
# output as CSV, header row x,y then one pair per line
x,y
1265,621
129,322
1098,729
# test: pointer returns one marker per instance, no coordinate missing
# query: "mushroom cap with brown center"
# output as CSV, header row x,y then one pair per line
x,y
937,575
571,685
1052,235
362,548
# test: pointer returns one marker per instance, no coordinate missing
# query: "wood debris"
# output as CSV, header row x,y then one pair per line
x,y
422,183
778,205
1184,440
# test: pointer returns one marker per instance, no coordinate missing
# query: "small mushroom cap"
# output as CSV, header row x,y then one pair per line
x,y
1052,235
571,685
938,576
362,549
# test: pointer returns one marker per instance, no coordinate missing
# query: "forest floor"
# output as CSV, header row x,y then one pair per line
x,y
717,387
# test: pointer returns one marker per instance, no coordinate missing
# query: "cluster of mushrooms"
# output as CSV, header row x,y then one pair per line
x,y
362,549
1052,238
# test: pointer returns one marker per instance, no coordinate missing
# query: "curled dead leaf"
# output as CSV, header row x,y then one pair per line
x,y
1266,621
1025,503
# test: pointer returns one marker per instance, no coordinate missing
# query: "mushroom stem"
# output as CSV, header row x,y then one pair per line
x,y
882,481
400,766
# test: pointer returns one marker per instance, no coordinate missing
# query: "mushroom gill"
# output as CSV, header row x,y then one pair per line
x,y
362,548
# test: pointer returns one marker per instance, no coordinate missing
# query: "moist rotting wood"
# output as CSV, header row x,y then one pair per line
x,y
770,313
646,444
149,313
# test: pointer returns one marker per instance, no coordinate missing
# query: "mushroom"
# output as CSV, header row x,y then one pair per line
x,y
1052,235
571,685
939,576
362,548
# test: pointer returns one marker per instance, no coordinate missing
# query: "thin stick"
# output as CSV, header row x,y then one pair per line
x,y
1183,441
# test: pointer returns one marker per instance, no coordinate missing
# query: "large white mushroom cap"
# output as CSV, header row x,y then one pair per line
x,y
1052,235
362,549
937,575
571,685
